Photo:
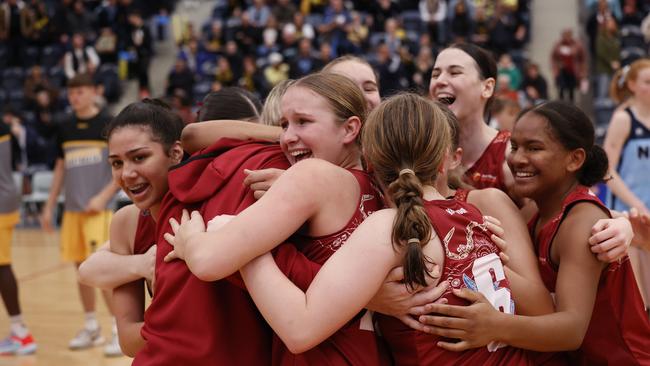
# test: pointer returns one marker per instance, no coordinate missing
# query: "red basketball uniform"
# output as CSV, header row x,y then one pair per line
x,y
471,261
619,331
461,195
145,233
487,171
355,343
192,322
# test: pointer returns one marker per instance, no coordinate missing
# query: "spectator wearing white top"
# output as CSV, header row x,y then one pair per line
x,y
80,59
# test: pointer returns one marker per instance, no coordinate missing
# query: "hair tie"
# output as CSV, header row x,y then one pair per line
x,y
406,171
623,77
413,241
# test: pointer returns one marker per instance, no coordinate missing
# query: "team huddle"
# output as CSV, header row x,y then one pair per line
x,y
329,227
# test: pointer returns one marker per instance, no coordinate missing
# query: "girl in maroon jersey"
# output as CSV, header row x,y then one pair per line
x,y
599,312
344,287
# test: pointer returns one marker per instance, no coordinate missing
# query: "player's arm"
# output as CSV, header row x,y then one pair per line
x,y
196,136
342,288
106,270
99,201
55,189
128,299
298,196
579,272
617,133
530,295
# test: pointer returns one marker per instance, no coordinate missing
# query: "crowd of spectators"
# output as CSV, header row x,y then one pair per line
x,y
256,44
43,43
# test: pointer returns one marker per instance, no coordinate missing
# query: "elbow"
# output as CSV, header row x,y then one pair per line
x,y
208,270
188,136
128,349
298,342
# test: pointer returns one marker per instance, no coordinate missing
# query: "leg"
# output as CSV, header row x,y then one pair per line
x,y
87,295
9,290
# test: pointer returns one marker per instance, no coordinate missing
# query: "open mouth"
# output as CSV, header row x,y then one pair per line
x,y
299,155
138,189
447,100
524,175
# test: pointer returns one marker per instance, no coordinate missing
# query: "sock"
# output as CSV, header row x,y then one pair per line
x,y
17,327
91,321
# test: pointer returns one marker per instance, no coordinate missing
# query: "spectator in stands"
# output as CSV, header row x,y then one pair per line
x,y
381,11
482,24
42,147
35,82
568,64
434,13
534,85
193,56
106,46
181,104
139,42
181,77
358,33
502,29
12,120
391,71
259,14
79,20
503,114
393,35
304,62
224,73
214,39
423,66
106,14
461,23
303,29
333,28
595,20
283,11
504,89
13,29
253,78
506,66
80,59
277,70
608,51
235,58
40,35
289,41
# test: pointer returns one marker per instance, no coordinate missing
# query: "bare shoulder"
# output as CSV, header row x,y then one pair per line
x,y
320,174
487,196
123,227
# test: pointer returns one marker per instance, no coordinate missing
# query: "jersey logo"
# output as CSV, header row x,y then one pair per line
x,y
460,211
463,250
362,208
643,152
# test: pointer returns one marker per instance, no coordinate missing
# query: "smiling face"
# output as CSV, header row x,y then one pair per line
x,y
640,86
310,128
139,165
540,164
456,82
362,75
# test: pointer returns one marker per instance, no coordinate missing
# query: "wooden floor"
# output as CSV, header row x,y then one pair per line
x,y
50,305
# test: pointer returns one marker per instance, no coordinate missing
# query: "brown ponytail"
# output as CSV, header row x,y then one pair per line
x,y
406,139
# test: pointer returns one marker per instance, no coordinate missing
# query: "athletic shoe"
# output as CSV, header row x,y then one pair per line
x,y
14,345
112,348
86,338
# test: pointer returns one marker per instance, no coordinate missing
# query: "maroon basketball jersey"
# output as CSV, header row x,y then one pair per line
x,y
619,331
487,171
189,321
354,344
471,261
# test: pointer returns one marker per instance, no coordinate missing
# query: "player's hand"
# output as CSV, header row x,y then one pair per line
x,y
45,218
218,222
147,264
396,299
95,204
181,232
611,238
494,225
473,325
641,227
261,180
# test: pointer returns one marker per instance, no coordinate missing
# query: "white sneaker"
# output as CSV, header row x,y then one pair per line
x,y
86,338
112,348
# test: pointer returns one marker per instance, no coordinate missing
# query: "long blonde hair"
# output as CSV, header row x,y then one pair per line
x,y
618,88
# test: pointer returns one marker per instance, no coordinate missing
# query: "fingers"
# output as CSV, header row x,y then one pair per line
x,y
492,220
422,309
454,347
612,255
443,309
500,242
258,194
472,296
170,256
185,216
170,238
444,326
494,228
599,226
174,225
